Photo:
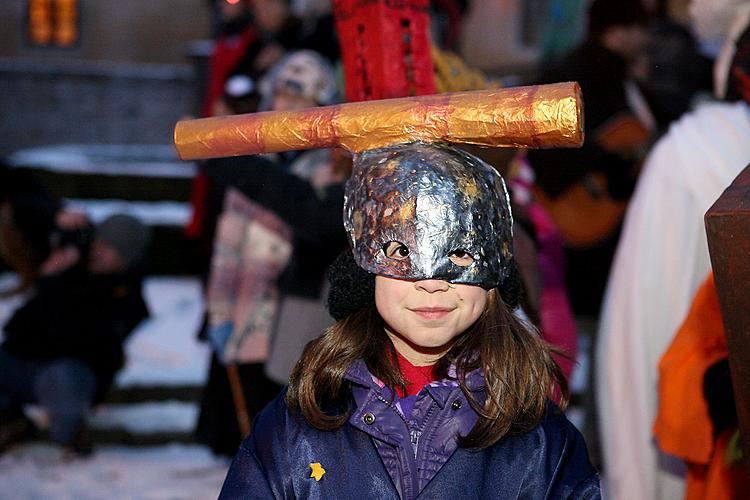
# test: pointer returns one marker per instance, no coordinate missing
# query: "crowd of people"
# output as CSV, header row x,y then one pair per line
x,y
397,364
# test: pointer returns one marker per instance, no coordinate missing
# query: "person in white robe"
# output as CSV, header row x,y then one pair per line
x,y
662,257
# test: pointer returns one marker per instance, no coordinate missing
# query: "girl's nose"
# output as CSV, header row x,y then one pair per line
x,y
432,286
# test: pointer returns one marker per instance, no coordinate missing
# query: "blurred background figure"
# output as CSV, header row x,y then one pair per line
x,y
639,69
676,74
27,217
662,257
63,346
267,30
256,34
233,34
279,230
586,190
538,240
564,28
578,196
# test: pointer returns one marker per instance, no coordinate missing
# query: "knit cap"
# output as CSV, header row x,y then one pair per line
x,y
127,235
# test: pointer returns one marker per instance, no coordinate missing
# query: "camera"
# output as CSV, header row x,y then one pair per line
x,y
80,238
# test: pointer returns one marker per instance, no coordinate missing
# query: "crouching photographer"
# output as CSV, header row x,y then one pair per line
x,y
63,347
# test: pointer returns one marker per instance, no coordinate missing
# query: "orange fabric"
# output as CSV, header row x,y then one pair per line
x,y
683,426
695,482
717,480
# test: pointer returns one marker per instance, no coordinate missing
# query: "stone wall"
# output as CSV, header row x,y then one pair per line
x,y
91,102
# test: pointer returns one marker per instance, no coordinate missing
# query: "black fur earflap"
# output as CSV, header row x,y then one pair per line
x,y
511,289
352,288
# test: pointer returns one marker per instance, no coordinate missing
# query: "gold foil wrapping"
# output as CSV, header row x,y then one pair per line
x,y
539,116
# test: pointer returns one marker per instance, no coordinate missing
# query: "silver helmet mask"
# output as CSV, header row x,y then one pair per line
x,y
424,211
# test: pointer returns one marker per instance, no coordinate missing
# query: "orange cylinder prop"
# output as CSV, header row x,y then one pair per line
x,y
539,116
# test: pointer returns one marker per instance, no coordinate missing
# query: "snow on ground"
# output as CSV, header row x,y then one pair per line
x,y
166,213
146,418
174,472
141,160
162,351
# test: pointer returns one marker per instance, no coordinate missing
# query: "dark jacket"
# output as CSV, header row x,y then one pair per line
x,y
80,316
316,217
601,74
361,458
33,207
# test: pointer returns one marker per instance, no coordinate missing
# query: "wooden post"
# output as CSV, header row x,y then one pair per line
x,y
238,396
728,231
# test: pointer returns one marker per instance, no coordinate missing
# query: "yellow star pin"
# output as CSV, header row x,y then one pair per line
x,y
317,471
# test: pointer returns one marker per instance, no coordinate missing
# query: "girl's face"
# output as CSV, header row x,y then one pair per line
x,y
424,317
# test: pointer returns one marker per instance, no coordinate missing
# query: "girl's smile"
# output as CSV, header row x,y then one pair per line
x,y
432,312
424,317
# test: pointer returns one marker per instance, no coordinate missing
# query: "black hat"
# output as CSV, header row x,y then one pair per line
x,y
127,235
606,13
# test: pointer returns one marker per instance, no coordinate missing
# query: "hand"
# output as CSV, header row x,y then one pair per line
x,y
69,221
60,260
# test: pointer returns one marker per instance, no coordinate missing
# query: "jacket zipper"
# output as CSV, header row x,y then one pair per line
x,y
414,438
414,435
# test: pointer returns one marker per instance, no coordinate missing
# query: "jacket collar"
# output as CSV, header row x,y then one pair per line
x,y
440,390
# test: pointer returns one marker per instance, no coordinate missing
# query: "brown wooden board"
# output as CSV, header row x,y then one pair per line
x,y
728,231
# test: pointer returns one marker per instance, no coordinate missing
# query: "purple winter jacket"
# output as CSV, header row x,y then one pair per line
x,y
413,441
389,451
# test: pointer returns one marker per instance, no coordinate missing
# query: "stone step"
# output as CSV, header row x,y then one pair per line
x,y
125,438
124,187
145,423
140,394
144,172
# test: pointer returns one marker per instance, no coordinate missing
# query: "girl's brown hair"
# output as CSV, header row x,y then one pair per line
x,y
519,372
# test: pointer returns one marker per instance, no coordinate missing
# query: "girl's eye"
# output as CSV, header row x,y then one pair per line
x,y
461,257
396,250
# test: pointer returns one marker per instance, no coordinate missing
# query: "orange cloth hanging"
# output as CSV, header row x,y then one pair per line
x,y
683,426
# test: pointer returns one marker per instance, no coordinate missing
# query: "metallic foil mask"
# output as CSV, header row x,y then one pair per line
x,y
420,211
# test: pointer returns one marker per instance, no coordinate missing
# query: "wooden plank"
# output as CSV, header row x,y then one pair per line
x,y
728,231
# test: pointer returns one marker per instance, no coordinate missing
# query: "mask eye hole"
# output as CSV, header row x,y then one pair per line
x,y
396,250
461,257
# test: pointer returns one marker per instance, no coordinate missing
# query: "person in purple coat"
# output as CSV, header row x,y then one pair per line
x,y
429,385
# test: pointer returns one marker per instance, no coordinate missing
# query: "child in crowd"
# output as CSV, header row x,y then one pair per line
x,y
428,386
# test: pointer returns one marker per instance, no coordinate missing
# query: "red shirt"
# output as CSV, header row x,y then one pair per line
x,y
416,376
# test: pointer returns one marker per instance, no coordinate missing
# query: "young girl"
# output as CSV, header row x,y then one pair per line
x,y
428,386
